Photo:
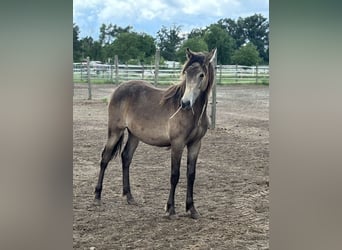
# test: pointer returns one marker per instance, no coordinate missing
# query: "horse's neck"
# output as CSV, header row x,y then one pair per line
x,y
201,107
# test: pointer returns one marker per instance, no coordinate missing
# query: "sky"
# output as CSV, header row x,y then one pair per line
x,y
149,16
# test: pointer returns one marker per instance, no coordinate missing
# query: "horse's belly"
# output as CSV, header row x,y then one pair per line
x,y
156,136
153,140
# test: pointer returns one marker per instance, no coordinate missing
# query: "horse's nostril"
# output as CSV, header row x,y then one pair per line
x,y
185,104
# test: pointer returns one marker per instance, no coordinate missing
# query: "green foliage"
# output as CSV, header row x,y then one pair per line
x,y
235,29
132,46
87,46
195,44
109,33
246,55
253,29
216,37
226,35
196,33
96,51
77,52
256,31
168,40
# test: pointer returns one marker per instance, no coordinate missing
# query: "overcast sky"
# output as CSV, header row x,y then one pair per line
x,y
149,15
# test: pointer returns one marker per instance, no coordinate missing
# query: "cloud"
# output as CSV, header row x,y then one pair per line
x,y
149,14
135,10
209,8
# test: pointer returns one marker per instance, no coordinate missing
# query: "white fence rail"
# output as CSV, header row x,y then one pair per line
x,y
110,73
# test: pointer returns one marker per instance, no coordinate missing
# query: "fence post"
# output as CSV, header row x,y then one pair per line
x,y
156,68
143,71
116,62
88,78
82,71
220,74
213,95
236,73
256,73
111,70
126,66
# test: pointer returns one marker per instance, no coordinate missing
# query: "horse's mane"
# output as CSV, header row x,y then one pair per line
x,y
175,92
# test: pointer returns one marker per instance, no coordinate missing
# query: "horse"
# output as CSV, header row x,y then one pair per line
x,y
174,117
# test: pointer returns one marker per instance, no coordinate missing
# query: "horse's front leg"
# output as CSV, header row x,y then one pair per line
x,y
193,151
176,156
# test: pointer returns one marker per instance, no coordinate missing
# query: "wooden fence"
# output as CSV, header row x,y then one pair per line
x,y
164,74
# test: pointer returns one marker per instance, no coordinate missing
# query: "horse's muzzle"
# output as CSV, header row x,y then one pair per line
x,y
186,104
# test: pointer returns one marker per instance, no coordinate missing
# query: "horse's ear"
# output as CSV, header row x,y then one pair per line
x,y
189,53
212,55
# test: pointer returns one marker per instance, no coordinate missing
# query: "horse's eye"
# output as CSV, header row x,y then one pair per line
x,y
201,75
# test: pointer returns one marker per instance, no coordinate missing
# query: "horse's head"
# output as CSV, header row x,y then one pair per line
x,y
197,73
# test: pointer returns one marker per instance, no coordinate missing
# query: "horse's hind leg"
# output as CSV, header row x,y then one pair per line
x,y
110,150
126,156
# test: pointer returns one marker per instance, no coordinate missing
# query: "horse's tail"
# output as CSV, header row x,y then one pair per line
x,y
114,150
118,146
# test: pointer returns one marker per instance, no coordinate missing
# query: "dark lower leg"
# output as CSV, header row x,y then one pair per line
x,y
109,151
126,156
176,155
193,151
171,201
126,185
98,188
189,205
190,186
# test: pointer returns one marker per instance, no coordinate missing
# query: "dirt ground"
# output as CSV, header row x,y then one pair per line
x,y
231,189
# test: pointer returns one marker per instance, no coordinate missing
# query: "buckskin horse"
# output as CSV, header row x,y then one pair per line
x,y
175,117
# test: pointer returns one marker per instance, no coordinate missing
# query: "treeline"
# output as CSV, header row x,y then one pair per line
x,y
243,41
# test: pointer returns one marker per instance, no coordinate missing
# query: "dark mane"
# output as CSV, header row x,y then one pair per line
x,y
211,76
175,93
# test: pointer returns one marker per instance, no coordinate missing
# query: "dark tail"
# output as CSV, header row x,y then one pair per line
x,y
116,149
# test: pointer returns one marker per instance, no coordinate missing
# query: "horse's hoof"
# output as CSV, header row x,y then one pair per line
x,y
195,215
173,217
97,202
131,201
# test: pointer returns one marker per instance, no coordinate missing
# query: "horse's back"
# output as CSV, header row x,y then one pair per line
x,y
135,95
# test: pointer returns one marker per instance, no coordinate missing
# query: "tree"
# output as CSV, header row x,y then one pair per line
x,y
103,34
169,41
86,46
253,29
246,55
77,51
195,44
235,29
196,33
132,45
216,37
110,32
96,52
256,29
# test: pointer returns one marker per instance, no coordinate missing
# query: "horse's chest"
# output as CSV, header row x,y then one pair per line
x,y
197,133
186,133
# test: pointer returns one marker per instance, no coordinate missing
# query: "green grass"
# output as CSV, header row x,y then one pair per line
x,y
166,80
261,81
